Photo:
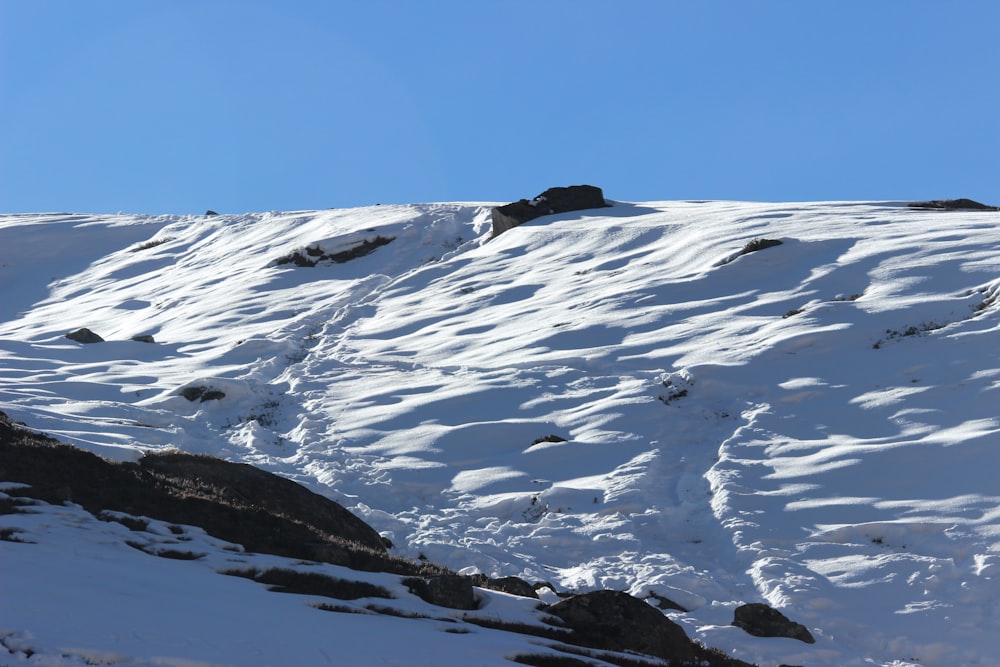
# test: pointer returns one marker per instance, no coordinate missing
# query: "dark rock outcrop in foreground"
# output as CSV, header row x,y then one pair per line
x,y
619,622
444,590
233,501
269,514
553,200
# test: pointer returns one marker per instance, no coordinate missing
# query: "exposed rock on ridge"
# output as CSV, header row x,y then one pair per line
x,y
553,200
953,205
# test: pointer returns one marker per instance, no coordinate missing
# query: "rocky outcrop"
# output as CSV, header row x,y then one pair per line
x,y
444,590
200,393
761,620
953,205
616,621
553,200
85,336
313,255
513,586
277,495
232,501
270,514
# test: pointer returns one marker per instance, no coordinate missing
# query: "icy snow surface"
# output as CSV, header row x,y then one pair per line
x,y
813,425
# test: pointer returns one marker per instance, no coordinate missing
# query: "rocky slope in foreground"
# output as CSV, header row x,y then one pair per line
x,y
261,512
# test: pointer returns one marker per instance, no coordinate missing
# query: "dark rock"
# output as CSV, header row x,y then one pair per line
x,y
262,489
751,246
444,590
617,621
511,585
549,438
231,501
953,205
143,338
553,200
759,244
314,254
202,394
84,335
296,258
192,393
761,620
210,213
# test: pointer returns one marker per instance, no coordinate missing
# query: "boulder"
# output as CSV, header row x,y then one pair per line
x,y
553,200
84,335
617,621
513,586
761,620
144,338
202,394
444,590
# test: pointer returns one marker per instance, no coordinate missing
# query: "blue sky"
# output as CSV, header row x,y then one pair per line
x,y
244,105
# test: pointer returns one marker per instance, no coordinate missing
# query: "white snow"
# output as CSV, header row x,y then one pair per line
x,y
813,425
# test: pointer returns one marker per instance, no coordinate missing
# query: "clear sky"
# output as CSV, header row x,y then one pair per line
x,y
248,105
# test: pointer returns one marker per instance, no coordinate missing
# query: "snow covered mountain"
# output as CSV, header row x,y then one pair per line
x,y
621,398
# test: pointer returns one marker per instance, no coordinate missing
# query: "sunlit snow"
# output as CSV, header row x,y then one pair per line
x,y
813,425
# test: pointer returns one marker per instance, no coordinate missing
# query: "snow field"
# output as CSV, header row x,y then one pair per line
x,y
812,425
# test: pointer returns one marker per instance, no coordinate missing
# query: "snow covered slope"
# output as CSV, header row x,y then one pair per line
x,y
613,398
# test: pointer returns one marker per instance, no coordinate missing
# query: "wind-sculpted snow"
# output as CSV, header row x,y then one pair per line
x,y
812,424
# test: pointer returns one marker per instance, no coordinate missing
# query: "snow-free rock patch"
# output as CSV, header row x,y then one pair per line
x,y
84,335
314,254
200,393
760,620
233,501
962,204
619,622
553,200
